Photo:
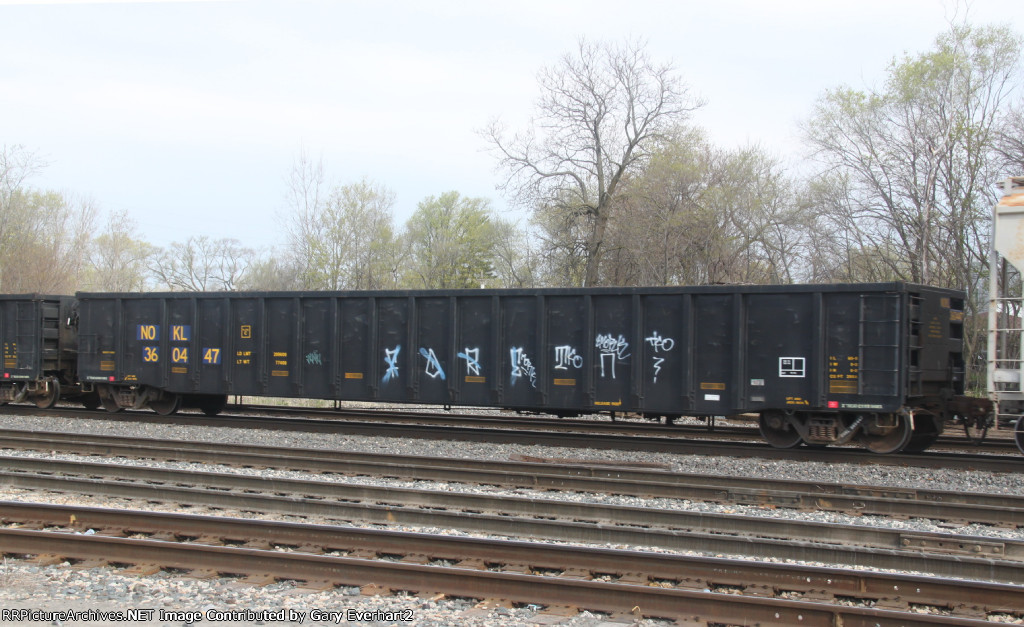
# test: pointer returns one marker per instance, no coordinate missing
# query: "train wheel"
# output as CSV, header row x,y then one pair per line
x,y
926,431
212,405
1019,434
91,400
777,431
891,441
108,400
166,404
49,398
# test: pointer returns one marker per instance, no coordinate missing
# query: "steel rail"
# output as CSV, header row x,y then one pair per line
x,y
892,591
678,446
990,559
622,427
615,597
1007,510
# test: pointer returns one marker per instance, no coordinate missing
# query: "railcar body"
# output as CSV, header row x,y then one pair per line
x,y
820,364
39,348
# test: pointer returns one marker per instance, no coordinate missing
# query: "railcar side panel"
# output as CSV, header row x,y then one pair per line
x,y
356,372
474,378
614,345
664,354
520,360
393,348
568,351
244,352
211,346
433,358
315,360
715,347
781,357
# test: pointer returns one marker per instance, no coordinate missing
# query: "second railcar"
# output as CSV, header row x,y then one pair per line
x,y
820,364
37,332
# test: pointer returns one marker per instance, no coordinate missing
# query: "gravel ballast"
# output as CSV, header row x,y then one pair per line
x,y
26,585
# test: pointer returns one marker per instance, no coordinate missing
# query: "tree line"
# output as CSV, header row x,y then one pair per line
x,y
621,188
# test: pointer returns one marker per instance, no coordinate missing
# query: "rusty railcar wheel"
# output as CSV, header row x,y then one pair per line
x,y
890,439
777,431
50,395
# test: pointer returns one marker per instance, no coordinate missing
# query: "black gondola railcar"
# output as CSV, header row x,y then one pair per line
x,y
820,364
39,348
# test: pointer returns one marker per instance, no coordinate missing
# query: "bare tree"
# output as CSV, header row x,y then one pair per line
x,y
699,214
907,170
601,111
514,255
344,239
202,264
119,258
271,272
911,165
45,242
1010,142
306,192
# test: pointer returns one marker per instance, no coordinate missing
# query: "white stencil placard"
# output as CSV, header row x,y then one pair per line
x,y
792,367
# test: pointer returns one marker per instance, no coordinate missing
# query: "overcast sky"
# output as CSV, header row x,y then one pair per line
x,y
189,114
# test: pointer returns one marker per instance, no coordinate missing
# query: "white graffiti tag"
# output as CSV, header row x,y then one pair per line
x,y
433,369
659,344
472,357
566,356
522,366
612,350
391,359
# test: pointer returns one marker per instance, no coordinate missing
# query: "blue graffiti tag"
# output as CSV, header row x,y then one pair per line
x,y
434,369
391,359
472,357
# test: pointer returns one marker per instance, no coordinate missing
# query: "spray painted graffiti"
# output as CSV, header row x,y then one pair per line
x,y
566,356
522,366
612,349
659,344
472,357
433,369
313,359
391,359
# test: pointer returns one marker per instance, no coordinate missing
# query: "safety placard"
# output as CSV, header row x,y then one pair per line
x,y
792,367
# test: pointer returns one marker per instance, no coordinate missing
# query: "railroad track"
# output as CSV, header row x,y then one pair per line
x,y
604,580
503,433
954,507
993,559
726,429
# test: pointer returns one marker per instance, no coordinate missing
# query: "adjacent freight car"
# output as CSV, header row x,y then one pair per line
x,y
818,364
39,349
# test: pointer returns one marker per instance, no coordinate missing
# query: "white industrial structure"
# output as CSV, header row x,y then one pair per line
x,y
1005,348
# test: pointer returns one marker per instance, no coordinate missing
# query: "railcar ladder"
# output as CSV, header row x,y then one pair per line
x,y
879,357
27,334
